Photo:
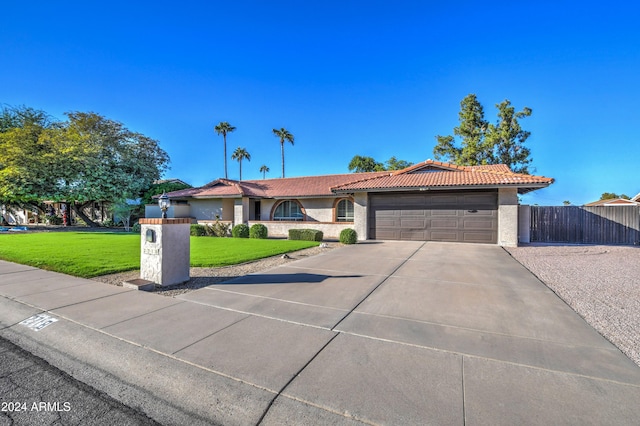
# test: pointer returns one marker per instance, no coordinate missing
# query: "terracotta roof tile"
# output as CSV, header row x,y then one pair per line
x,y
613,201
426,174
437,174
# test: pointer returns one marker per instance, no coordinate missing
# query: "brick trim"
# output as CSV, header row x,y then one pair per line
x,y
155,221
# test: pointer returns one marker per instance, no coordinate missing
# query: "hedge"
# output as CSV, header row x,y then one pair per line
x,y
348,236
258,230
305,234
198,230
240,231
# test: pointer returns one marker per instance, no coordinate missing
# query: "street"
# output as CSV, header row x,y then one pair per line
x,y
34,392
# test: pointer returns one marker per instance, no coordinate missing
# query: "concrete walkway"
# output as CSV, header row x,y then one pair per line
x,y
377,333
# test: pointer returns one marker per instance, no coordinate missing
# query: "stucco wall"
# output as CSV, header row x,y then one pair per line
x,y
152,211
228,209
265,209
242,210
206,209
524,224
508,217
360,215
318,209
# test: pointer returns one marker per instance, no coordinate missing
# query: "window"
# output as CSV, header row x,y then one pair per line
x,y
344,211
288,210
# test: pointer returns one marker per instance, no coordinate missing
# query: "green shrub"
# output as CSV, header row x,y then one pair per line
x,y
258,230
108,223
136,228
240,231
348,236
305,234
53,220
198,230
218,229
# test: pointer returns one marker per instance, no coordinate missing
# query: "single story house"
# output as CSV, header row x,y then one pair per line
x,y
430,201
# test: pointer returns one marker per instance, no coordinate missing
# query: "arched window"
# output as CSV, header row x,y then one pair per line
x,y
288,210
344,210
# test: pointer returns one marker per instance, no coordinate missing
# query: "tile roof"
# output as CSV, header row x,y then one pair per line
x,y
306,186
613,202
426,174
431,174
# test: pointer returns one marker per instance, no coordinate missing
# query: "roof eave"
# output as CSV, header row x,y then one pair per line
x,y
522,189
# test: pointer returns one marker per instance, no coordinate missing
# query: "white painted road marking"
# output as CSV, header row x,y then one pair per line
x,y
39,321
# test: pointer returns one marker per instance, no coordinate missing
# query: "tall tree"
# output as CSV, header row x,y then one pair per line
x,y
223,128
19,117
613,195
473,150
485,143
394,164
264,170
27,155
507,138
284,135
359,164
89,158
240,154
158,189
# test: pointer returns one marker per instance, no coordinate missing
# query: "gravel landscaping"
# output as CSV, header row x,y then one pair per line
x,y
601,283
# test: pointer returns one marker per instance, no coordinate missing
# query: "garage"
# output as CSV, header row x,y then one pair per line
x,y
460,216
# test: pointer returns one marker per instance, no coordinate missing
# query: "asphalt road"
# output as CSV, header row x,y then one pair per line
x,y
33,392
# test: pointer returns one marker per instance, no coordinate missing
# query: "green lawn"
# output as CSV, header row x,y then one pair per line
x,y
90,254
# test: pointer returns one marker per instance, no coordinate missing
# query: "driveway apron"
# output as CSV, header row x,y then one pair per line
x,y
441,333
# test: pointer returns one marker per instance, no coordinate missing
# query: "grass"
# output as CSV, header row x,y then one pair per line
x,y
90,254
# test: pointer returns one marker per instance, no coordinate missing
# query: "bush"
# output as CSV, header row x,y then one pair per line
x,y
240,231
258,230
108,223
305,234
348,236
136,228
198,230
218,229
53,220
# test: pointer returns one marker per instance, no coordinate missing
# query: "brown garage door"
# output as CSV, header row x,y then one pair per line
x,y
469,216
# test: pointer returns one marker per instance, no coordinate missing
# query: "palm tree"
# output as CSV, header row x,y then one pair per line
x,y
240,154
284,135
223,128
264,169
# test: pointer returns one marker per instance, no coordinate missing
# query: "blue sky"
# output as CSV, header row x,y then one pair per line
x,y
347,78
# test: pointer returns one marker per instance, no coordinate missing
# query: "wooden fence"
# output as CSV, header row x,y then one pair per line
x,y
586,225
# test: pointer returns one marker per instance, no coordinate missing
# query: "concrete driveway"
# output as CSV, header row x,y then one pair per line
x,y
378,333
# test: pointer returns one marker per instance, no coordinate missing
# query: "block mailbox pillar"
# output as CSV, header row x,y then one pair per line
x,y
165,250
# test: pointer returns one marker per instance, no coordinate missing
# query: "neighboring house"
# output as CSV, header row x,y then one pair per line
x,y
170,180
615,202
430,201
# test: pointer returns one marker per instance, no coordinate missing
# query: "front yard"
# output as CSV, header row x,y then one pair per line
x,y
91,254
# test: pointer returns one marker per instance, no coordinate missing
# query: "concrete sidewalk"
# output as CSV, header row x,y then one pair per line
x,y
375,333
